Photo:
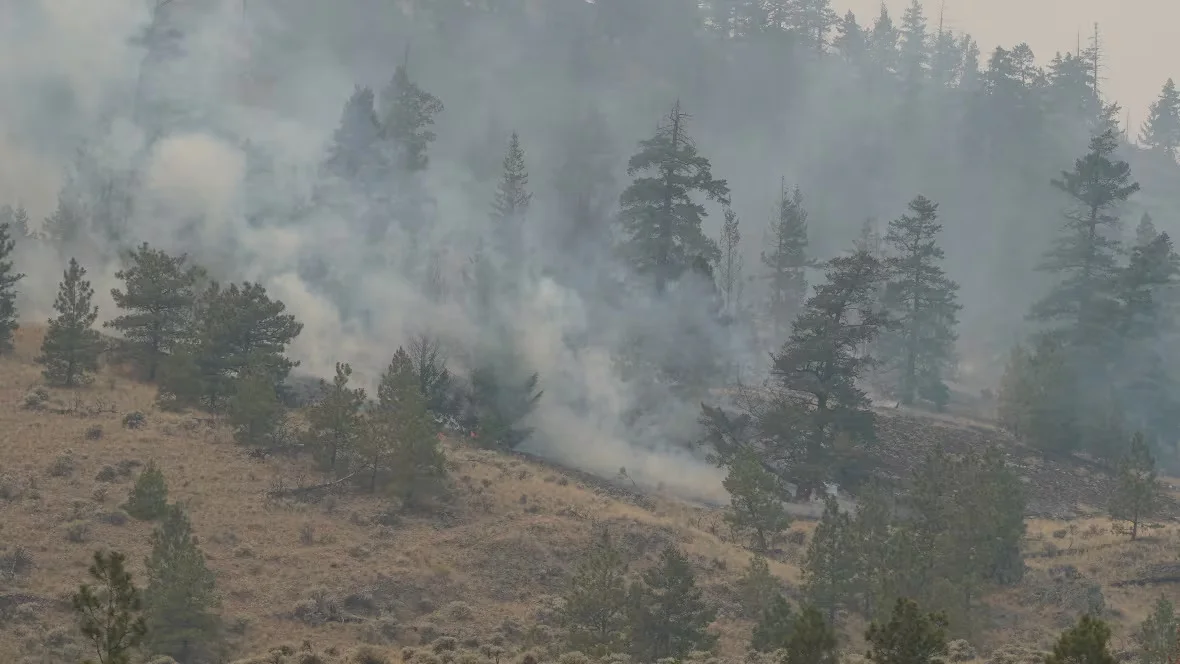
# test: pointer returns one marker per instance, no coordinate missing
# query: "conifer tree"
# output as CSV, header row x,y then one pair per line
x,y
1145,232
1087,642
65,226
851,41
109,612
812,639
335,421
659,218
512,202
18,222
921,299
410,444
353,151
758,587
71,348
158,300
584,182
813,20
786,260
829,564
822,416
1084,257
502,397
883,43
669,616
595,603
730,267
1161,132
254,409
148,499
408,115
434,378
1039,397
8,280
755,500
1138,491
1156,636
179,600
775,626
910,636
914,53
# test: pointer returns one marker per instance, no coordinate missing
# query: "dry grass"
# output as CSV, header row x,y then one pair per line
x,y
495,557
505,543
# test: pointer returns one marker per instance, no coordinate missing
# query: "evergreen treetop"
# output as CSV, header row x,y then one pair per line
x,y
786,259
8,280
71,347
1161,131
179,600
408,115
659,218
109,612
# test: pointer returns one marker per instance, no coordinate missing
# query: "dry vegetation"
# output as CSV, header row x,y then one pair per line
x,y
485,569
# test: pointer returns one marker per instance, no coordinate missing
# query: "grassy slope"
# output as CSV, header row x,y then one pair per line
x,y
499,554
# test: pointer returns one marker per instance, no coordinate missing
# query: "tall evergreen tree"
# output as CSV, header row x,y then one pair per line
x,y
1087,642
65,226
829,566
1161,132
730,267
814,21
1138,491
851,41
660,220
584,182
109,612
1156,636
820,416
883,43
786,260
179,601
755,500
335,421
354,149
910,637
669,616
915,51
410,444
1085,256
1145,232
595,604
254,410
8,279
921,298
407,117
512,202
159,299
71,347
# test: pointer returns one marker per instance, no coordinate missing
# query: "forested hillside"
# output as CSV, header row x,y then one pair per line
x,y
751,256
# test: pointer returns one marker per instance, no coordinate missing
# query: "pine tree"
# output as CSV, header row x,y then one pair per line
x,y
408,115
159,299
148,499
1138,491
910,637
1085,643
334,422
755,500
502,398
8,280
512,202
179,601
669,616
1039,397
883,43
65,226
914,53
758,587
828,565
851,41
812,639
814,20
921,299
71,348
434,378
416,461
730,267
1145,232
1161,132
1156,636
660,221
1084,257
595,604
775,626
584,183
109,611
821,417
787,259
354,150
254,409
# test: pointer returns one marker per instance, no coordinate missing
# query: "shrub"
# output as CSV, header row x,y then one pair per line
x,y
15,563
94,433
64,465
134,420
115,518
36,398
107,474
77,532
149,497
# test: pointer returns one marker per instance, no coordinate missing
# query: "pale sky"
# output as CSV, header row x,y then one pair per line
x,y
1140,37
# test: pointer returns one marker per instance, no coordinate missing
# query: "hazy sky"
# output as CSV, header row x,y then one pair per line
x,y
1139,36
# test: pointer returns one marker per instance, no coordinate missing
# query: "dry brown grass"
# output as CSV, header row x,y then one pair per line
x,y
500,552
512,532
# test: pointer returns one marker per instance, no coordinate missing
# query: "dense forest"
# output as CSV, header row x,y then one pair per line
x,y
698,241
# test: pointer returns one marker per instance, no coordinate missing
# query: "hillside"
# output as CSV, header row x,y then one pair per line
x,y
486,569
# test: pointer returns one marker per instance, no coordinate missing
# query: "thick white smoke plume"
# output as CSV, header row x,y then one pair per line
x,y
76,74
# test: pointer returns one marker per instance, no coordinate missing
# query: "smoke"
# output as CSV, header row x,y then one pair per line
x,y
190,127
